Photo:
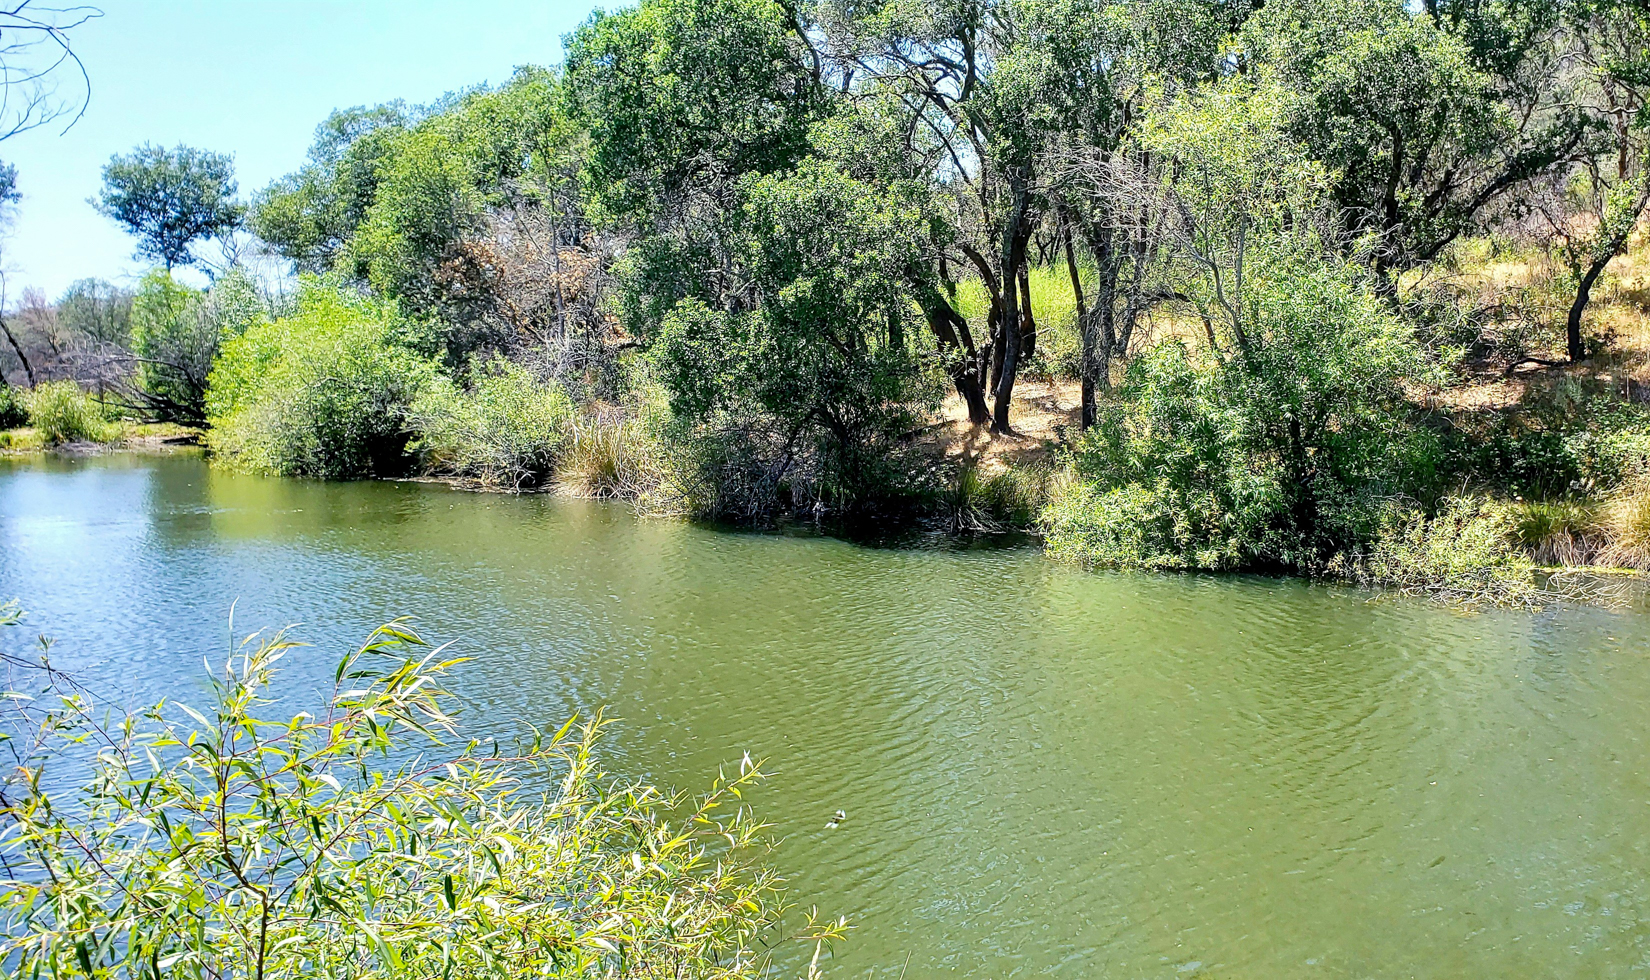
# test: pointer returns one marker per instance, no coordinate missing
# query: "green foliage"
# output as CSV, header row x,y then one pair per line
x,y
13,409
1464,552
63,413
323,392
1280,456
353,842
507,430
681,95
1421,127
171,199
309,216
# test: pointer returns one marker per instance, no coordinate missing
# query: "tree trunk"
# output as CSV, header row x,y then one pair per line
x,y
1013,257
1085,334
18,348
1028,320
1584,293
951,330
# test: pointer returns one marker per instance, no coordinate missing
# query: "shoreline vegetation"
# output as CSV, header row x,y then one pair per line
x,y
364,838
1355,290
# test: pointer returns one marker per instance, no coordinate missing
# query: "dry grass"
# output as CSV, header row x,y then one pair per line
x,y
608,456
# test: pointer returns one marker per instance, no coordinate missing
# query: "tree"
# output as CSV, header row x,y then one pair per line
x,y
97,311
1594,206
171,199
1429,117
811,376
175,335
310,215
35,55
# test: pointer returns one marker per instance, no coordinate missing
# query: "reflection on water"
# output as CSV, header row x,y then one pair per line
x,y
1046,772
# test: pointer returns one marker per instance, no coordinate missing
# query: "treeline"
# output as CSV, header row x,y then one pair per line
x,y
734,255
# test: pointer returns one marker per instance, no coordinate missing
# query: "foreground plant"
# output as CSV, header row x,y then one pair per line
x,y
219,844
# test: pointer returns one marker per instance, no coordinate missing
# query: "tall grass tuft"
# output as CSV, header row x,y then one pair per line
x,y
609,457
1624,520
1009,499
62,413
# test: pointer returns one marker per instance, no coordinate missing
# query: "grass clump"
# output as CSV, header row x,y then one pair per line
x,y
611,457
1009,499
323,393
61,413
1624,520
507,431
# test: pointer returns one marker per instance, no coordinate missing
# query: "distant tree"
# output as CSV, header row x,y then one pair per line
x,y
171,199
97,311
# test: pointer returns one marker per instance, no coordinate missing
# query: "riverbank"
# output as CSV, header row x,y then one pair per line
x,y
125,436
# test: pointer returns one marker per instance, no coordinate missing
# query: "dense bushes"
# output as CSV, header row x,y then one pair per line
x,y
1281,455
13,412
506,431
321,393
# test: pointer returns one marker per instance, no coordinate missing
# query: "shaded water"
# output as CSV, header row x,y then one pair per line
x,y
1047,772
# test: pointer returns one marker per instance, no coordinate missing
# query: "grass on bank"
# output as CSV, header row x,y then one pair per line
x,y
59,414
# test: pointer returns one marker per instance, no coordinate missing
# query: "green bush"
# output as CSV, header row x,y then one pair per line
x,y
1279,456
1466,550
507,430
323,847
321,393
63,413
13,412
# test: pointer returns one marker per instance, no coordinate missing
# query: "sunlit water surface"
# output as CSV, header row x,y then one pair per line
x,y
1047,772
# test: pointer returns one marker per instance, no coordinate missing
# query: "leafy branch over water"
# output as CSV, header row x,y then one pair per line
x,y
217,843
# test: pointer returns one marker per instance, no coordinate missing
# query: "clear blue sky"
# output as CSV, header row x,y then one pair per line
x,y
251,78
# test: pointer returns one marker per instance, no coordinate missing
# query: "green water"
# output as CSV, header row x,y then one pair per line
x,y
1046,772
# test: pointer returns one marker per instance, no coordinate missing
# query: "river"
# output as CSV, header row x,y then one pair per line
x,y
1047,772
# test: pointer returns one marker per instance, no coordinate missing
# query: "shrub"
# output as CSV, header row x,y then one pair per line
x,y
63,413
302,849
321,393
13,412
507,430
1465,551
1279,455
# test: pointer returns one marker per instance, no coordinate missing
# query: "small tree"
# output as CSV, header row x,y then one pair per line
x,y
171,199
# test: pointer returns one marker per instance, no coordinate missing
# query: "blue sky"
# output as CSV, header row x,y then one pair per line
x,y
251,78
